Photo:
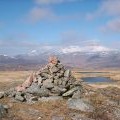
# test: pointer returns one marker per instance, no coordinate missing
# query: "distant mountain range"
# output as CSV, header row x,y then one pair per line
x,y
88,57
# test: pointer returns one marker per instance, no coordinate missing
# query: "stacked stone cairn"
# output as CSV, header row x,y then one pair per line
x,y
52,80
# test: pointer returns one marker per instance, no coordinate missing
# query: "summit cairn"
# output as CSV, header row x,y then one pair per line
x,y
52,80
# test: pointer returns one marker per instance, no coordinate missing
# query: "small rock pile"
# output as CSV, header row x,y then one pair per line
x,y
52,80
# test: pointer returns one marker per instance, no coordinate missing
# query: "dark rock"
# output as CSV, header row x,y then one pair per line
x,y
80,104
3,111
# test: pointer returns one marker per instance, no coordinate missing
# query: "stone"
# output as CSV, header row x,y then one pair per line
x,y
48,84
116,113
60,66
56,83
57,90
70,92
54,69
28,97
33,88
58,118
45,75
1,95
67,73
12,94
9,92
40,80
50,98
32,100
77,94
3,111
41,92
80,104
19,98
78,116
45,70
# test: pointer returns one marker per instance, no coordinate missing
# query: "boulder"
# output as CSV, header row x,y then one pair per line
x,y
19,97
71,91
48,83
3,111
1,95
80,104
40,92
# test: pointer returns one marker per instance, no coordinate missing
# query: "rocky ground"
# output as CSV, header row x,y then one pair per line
x,y
92,104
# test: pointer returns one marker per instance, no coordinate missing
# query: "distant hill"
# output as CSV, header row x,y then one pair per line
x,y
89,57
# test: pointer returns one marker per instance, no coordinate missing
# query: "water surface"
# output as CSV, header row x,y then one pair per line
x,y
97,79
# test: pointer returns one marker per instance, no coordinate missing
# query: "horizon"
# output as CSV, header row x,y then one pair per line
x,y
31,25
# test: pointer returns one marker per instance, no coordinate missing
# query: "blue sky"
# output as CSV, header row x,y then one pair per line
x,y
29,24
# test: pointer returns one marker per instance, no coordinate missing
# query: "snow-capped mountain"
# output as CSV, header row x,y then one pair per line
x,y
92,56
72,49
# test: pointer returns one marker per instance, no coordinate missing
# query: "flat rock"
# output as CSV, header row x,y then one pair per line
x,y
51,98
70,92
58,118
79,104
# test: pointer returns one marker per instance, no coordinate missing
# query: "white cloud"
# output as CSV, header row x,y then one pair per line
x,y
36,14
111,7
107,7
47,2
113,26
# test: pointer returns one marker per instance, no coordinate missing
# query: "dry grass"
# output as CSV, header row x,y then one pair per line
x,y
8,76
